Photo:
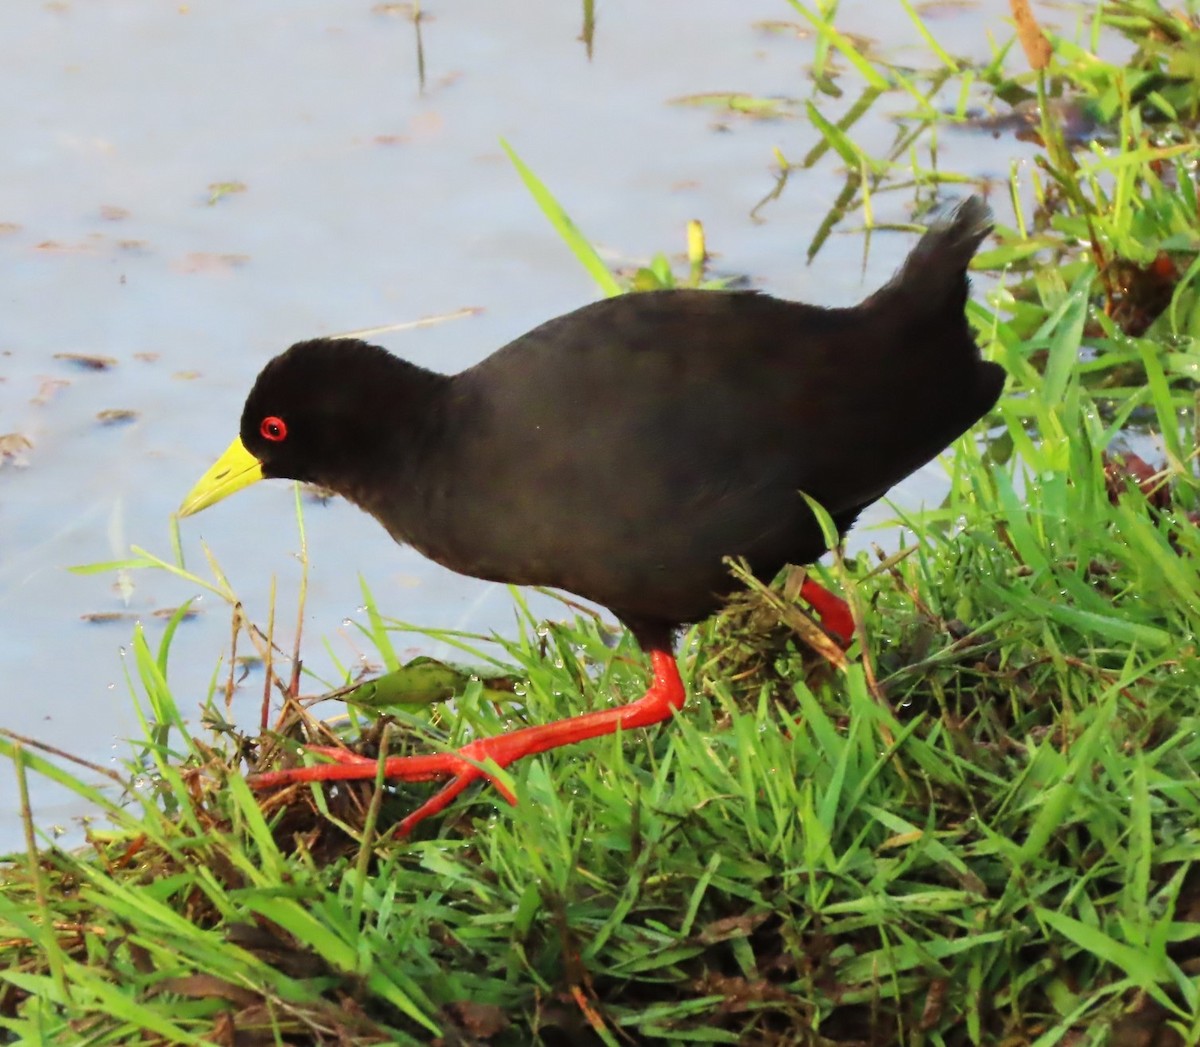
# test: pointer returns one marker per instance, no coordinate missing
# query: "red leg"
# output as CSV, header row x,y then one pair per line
x,y
664,697
834,611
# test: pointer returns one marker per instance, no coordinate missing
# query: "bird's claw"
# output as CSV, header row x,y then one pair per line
x,y
466,765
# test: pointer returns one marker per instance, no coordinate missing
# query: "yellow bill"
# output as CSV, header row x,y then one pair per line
x,y
235,469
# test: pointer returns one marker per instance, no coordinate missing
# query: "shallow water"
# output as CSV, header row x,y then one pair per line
x,y
362,199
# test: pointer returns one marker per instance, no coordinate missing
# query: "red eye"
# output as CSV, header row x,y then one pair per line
x,y
273,429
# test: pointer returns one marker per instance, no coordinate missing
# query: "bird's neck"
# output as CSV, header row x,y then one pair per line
x,y
408,422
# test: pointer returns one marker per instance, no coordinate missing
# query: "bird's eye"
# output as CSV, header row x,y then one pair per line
x,y
273,429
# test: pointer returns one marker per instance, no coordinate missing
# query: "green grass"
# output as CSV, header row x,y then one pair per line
x,y
983,829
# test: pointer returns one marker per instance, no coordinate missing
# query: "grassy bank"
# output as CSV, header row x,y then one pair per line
x,y
979,827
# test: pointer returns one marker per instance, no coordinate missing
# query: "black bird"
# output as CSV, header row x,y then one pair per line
x,y
621,451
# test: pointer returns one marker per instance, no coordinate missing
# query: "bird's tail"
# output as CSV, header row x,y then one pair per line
x,y
925,305
933,278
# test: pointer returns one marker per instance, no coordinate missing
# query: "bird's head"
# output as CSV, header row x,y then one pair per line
x,y
322,412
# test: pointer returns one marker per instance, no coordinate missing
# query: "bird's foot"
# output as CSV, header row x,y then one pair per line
x,y
834,611
477,759
464,766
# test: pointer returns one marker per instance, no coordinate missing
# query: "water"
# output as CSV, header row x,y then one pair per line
x,y
362,198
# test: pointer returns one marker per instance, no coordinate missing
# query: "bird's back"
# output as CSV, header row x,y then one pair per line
x,y
622,450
